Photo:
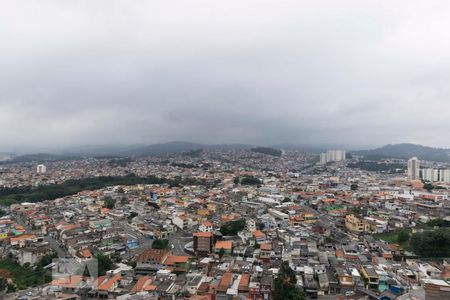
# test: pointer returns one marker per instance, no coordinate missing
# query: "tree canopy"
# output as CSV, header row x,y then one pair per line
x,y
432,243
232,227
160,244
70,187
247,180
104,264
285,286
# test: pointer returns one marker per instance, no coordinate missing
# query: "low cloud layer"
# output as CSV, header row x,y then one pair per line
x,y
352,73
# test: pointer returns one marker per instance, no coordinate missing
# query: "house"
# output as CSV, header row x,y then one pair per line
x,y
193,284
206,227
108,284
151,260
371,276
356,224
22,240
259,236
83,255
225,246
69,284
181,221
33,254
265,251
203,242
179,263
436,289
143,284
100,225
345,277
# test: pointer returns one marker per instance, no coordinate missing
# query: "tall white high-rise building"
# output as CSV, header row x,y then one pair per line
x,y
444,175
41,169
413,168
332,155
430,174
323,158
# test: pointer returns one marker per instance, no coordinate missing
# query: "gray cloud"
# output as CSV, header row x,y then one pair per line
x,y
102,72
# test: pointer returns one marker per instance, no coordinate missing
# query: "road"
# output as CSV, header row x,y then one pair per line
x,y
144,242
178,240
54,244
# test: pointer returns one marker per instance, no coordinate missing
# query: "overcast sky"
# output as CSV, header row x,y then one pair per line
x,y
355,73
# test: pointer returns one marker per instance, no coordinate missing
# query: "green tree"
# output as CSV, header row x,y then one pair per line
x,y
232,227
160,244
285,284
109,203
47,259
250,180
428,186
353,186
116,257
403,236
221,253
432,243
436,223
104,263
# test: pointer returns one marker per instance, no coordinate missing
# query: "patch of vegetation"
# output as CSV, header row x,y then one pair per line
x,y
428,186
23,276
160,244
119,161
109,203
435,223
268,151
232,227
70,187
400,237
377,166
247,180
184,165
285,284
104,264
432,243
193,153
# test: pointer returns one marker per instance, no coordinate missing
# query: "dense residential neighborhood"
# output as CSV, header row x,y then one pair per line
x,y
227,224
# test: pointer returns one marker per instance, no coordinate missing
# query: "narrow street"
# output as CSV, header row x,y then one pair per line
x,y
54,244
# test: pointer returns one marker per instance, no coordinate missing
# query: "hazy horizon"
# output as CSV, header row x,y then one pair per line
x,y
352,74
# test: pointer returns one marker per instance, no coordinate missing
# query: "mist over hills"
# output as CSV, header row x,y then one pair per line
x,y
406,151
120,151
401,151
177,147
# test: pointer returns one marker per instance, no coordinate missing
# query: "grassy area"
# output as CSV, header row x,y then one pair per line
x,y
23,277
427,241
392,237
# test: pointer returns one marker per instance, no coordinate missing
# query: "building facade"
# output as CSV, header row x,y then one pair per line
x,y
430,175
331,156
413,169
